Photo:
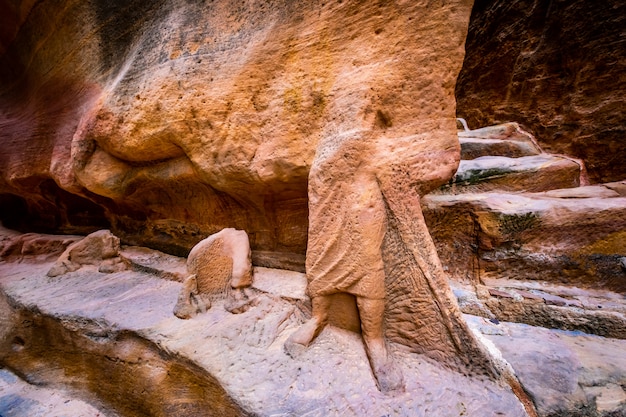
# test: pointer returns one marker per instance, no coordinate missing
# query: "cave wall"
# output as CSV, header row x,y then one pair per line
x,y
559,68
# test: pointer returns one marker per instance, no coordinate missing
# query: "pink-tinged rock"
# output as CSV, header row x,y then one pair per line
x,y
500,294
507,139
170,121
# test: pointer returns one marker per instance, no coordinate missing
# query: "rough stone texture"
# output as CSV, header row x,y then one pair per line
x,y
15,246
112,339
528,173
100,249
18,398
566,307
216,265
566,373
170,120
575,239
557,67
507,139
206,261
155,262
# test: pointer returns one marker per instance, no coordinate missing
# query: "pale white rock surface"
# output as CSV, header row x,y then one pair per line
x,y
566,373
20,399
244,352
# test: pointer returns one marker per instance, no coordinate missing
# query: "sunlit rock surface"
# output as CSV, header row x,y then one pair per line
x,y
167,121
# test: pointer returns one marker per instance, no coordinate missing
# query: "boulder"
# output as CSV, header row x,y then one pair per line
x,y
101,249
16,247
216,265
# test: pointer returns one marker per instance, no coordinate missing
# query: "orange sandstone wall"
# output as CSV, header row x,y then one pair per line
x,y
168,120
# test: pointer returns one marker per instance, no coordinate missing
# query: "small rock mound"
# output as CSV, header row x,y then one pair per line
x,y
101,249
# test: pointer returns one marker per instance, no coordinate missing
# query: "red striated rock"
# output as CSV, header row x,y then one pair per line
x,y
556,67
499,293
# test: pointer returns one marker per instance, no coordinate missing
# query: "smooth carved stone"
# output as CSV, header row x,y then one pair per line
x,y
218,263
100,248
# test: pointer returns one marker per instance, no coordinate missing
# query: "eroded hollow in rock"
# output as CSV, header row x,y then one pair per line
x,y
121,371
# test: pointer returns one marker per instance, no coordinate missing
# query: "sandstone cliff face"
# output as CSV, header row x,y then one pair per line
x,y
555,66
169,120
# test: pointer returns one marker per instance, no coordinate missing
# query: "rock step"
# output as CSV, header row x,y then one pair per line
x,y
472,148
155,262
114,336
575,236
598,312
507,139
498,173
504,131
562,370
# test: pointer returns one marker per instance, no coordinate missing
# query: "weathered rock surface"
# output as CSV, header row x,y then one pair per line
x,y
168,121
566,237
113,339
100,249
507,139
15,246
566,373
18,398
598,312
557,68
528,173
219,266
69,332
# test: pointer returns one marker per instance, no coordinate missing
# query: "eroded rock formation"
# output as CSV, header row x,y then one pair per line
x,y
558,68
100,249
170,120
218,264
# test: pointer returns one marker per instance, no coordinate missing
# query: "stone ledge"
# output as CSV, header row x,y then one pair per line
x,y
102,331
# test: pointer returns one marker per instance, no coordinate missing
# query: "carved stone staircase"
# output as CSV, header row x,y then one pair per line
x,y
525,239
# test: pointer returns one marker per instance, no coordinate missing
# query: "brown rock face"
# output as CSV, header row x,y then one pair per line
x,y
558,68
169,120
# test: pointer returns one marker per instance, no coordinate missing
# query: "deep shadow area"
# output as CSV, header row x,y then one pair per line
x,y
51,210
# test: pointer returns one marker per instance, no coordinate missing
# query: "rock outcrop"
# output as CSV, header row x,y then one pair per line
x,y
216,265
170,120
112,340
100,249
558,68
